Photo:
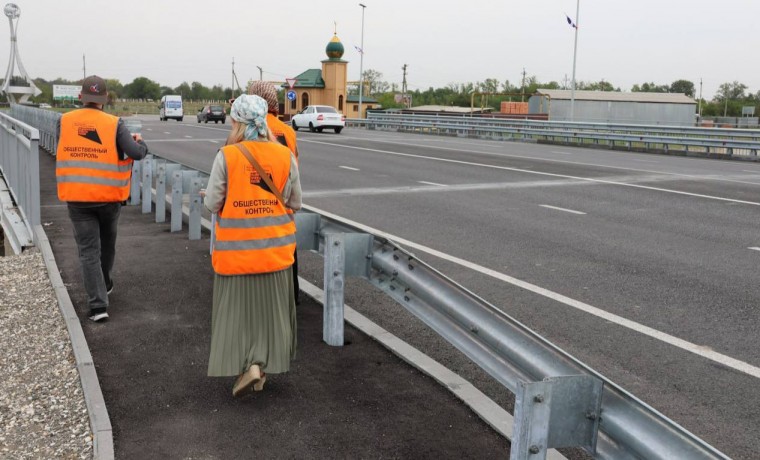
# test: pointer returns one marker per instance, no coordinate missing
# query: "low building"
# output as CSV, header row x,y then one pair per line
x,y
672,109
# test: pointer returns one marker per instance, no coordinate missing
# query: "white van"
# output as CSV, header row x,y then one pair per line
x,y
171,107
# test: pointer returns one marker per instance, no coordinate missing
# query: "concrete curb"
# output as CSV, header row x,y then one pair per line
x,y
490,412
100,423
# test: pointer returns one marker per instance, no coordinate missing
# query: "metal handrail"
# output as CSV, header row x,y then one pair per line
x,y
19,164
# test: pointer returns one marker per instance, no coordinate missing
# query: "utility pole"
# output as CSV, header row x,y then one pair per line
x,y
84,67
403,88
232,84
523,86
261,73
700,100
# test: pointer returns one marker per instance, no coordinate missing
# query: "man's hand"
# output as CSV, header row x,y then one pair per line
x,y
137,137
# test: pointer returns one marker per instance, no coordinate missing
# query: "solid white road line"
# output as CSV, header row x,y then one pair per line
x,y
561,209
167,132
700,350
562,153
189,137
349,168
754,248
528,171
431,183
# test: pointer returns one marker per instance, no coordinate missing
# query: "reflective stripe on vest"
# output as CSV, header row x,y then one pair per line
x,y
253,232
87,160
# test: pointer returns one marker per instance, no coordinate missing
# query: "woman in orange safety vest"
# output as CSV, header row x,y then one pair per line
x,y
253,319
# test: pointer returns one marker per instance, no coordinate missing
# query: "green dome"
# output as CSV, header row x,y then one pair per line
x,y
335,48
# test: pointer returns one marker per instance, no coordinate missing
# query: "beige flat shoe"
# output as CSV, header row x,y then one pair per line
x,y
258,386
249,378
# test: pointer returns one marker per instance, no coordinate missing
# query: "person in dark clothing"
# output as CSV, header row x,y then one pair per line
x,y
93,170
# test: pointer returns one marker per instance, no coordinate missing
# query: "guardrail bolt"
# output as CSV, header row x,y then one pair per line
x,y
591,415
393,288
395,272
336,243
534,449
336,273
395,257
474,328
406,298
538,398
411,267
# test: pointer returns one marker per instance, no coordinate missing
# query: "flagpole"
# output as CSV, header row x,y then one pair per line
x,y
575,53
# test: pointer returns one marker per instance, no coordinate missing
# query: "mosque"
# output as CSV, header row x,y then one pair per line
x,y
327,86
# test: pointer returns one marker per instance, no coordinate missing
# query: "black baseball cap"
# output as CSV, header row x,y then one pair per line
x,y
94,90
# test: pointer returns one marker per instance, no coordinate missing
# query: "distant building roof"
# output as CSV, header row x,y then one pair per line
x,y
311,78
355,98
449,109
662,98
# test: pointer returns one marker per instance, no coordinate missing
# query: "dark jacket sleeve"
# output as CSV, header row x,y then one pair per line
x,y
127,146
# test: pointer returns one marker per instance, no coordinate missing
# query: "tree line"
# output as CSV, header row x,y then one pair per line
x,y
728,100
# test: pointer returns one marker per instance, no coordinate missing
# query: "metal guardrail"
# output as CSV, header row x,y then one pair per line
x,y
587,410
729,142
19,164
44,120
560,402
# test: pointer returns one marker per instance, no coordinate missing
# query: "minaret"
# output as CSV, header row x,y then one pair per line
x,y
13,12
335,75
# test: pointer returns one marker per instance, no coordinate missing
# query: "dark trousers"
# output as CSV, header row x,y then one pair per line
x,y
95,234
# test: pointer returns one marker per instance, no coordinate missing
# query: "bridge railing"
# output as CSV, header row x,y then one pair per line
x,y
560,402
20,190
709,141
44,120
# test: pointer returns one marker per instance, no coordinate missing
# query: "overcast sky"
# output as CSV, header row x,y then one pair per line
x,y
171,41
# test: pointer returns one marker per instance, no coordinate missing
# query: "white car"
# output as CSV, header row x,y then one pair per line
x,y
45,105
317,118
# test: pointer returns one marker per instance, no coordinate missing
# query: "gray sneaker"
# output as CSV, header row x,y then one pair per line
x,y
98,317
109,289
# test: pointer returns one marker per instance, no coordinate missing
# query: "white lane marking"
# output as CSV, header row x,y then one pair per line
x,y
216,141
189,137
431,183
700,350
644,161
751,171
167,132
349,168
527,171
562,209
562,153
554,160
754,248
148,129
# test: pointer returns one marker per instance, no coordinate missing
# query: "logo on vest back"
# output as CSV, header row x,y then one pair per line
x,y
255,178
89,132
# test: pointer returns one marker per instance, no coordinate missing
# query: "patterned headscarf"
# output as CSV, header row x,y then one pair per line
x,y
252,111
267,91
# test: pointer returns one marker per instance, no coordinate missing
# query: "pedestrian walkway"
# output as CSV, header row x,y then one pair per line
x,y
356,401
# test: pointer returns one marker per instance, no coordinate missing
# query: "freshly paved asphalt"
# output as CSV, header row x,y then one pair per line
x,y
356,401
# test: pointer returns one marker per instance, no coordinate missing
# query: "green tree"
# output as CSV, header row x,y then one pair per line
x,y
198,92
682,86
731,91
183,90
650,88
373,82
142,88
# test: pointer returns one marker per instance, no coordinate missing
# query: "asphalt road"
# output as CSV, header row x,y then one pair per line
x,y
642,266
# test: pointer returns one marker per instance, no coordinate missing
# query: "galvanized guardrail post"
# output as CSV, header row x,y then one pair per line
x,y
134,191
161,192
194,220
147,183
176,223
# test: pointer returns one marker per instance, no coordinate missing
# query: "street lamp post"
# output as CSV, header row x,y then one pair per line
x,y
575,52
361,63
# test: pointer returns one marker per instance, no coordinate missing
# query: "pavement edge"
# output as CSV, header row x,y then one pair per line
x,y
100,423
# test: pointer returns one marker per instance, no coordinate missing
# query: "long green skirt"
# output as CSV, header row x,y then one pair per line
x,y
253,321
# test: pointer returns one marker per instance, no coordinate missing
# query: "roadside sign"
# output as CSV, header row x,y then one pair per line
x,y
291,95
291,82
66,92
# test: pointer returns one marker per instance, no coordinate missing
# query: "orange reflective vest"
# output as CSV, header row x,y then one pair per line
x,y
254,232
284,133
88,167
